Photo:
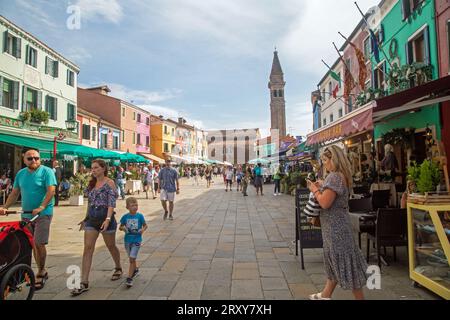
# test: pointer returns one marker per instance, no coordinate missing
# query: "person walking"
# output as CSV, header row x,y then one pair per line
x,y
168,178
195,174
344,262
58,174
246,181
239,176
208,175
120,181
36,184
229,178
134,225
258,179
277,180
156,180
149,174
102,195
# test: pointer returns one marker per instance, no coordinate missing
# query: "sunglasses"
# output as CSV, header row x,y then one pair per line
x,y
33,158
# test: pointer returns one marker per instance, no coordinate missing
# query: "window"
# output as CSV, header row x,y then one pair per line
x,y
123,135
51,106
280,93
323,96
32,99
51,67
166,146
173,132
378,76
147,121
123,112
139,139
31,56
9,93
104,141
331,118
94,134
367,48
116,142
340,113
324,122
12,45
418,48
86,134
408,7
330,89
139,118
134,137
165,128
147,141
70,112
173,147
134,115
350,104
70,78
275,93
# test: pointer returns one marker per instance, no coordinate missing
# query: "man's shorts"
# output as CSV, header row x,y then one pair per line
x,y
132,249
167,196
41,229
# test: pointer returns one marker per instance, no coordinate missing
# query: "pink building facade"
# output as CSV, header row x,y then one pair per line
x,y
142,132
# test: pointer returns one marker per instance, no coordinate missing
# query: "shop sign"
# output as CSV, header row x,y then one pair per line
x,y
70,157
56,131
9,122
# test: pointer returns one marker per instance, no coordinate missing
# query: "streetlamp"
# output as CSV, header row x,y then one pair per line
x,y
70,125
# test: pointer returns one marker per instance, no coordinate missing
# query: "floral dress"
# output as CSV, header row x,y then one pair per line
x,y
99,199
344,261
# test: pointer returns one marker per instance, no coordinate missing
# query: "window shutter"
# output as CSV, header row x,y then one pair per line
x,y
18,52
39,100
1,91
405,9
47,64
5,41
381,34
409,54
67,77
24,98
426,35
55,106
46,104
16,95
55,68
27,54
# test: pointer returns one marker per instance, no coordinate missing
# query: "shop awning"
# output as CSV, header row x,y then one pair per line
x,y
429,93
152,157
357,121
44,146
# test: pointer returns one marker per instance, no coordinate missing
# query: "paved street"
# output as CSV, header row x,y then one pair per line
x,y
219,246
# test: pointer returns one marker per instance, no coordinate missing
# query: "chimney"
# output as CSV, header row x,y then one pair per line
x,y
161,117
181,120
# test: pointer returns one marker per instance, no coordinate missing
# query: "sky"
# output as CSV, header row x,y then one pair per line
x,y
208,61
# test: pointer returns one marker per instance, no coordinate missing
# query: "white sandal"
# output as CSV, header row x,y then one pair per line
x,y
317,296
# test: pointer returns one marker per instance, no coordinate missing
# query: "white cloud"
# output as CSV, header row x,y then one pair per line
x,y
142,96
93,10
78,55
33,8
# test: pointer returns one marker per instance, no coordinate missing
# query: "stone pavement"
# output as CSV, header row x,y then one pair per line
x,y
219,246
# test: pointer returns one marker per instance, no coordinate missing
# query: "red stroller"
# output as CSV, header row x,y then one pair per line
x,y
17,280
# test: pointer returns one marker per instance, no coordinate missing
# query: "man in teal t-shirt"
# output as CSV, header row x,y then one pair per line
x,y
36,183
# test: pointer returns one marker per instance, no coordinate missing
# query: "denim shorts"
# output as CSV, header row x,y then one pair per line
x,y
132,249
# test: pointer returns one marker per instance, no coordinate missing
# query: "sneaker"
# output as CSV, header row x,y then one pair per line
x,y
135,273
275,194
170,217
165,215
129,282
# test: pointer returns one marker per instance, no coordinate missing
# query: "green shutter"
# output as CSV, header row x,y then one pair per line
x,y
55,68
1,91
47,109
67,77
5,41
426,35
47,63
55,107
39,100
18,53
27,55
15,94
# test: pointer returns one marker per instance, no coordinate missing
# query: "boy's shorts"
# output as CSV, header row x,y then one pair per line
x,y
132,249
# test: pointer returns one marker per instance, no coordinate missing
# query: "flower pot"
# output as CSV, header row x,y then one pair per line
x,y
76,200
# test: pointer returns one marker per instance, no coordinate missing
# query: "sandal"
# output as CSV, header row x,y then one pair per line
x,y
317,296
117,274
40,281
84,286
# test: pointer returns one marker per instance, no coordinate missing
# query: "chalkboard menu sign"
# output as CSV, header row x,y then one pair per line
x,y
306,234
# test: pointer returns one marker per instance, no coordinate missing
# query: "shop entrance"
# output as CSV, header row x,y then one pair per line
x,y
7,160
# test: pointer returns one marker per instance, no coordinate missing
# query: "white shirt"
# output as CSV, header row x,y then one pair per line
x,y
229,174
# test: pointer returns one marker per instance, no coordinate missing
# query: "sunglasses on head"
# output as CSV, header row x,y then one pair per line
x,y
33,158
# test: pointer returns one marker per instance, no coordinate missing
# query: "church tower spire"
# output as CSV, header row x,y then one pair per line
x,y
277,101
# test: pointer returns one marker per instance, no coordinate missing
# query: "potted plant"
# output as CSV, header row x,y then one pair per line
x,y
78,184
426,179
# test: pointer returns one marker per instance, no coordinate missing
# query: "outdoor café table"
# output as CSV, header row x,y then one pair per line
x,y
361,223
386,186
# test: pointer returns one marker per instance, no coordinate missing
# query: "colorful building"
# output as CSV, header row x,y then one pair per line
x,y
134,134
162,136
35,81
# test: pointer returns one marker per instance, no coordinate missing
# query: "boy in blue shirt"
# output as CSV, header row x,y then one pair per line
x,y
134,225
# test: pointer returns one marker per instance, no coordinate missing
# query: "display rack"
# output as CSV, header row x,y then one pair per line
x,y
429,248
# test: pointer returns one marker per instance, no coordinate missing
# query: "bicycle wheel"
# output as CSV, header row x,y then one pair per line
x,y
18,283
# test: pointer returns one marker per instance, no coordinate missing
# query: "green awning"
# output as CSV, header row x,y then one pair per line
x,y
45,147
